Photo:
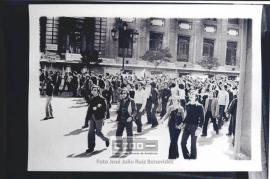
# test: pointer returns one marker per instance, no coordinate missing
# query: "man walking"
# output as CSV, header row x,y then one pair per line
x,y
223,102
96,114
193,126
140,101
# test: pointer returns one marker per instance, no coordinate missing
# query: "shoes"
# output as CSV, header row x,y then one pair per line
x,y
139,130
153,126
46,118
228,134
85,126
203,135
89,150
107,142
217,132
51,117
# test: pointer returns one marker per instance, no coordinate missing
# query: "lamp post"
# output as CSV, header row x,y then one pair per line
x,y
124,36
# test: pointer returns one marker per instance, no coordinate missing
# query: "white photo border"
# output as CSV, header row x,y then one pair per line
x,y
142,11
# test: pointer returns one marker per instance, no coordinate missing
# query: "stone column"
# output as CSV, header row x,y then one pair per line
x,y
221,41
198,41
242,149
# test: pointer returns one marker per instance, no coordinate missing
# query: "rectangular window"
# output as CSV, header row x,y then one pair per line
x,y
75,36
233,21
125,43
155,42
42,31
51,31
183,48
231,53
208,47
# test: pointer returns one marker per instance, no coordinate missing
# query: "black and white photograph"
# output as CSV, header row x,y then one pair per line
x,y
144,88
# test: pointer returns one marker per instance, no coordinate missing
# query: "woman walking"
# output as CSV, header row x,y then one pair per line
x,y
176,115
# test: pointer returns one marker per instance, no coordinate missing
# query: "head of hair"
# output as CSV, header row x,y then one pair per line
x,y
125,90
181,86
97,87
172,85
153,84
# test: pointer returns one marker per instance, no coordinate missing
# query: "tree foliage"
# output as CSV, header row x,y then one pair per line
x,y
209,63
157,56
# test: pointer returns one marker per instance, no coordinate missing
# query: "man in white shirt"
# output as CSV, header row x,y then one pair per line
x,y
140,101
223,102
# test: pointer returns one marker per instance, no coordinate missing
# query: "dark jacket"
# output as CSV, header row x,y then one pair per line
x,y
57,80
166,93
101,84
107,94
176,118
98,114
126,109
195,115
154,96
49,89
232,109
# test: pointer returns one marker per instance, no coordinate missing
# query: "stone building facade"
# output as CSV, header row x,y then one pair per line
x,y
63,39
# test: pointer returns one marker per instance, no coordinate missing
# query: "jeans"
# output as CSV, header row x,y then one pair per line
x,y
189,131
48,108
119,133
232,125
148,111
95,129
139,117
163,108
221,115
153,116
174,135
208,116
108,106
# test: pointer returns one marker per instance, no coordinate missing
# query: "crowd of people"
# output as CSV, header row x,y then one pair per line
x,y
188,103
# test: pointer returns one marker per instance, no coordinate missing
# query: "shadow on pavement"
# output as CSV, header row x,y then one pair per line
x,y
120,154
86,155
79,106
76,132
78,99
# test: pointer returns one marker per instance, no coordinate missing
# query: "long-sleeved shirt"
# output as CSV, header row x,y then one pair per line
x,y
140,97
223,98
195,115
182,94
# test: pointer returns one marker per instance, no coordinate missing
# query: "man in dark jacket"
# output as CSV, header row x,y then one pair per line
x,y
96,114
193,126
154,103
101,83
42,81
232,109
74,84
165,95
107,94
126,111
57,79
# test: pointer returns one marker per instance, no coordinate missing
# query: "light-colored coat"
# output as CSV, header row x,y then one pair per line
x,y
214,107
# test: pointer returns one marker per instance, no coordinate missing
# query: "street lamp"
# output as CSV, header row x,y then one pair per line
x,y
124,36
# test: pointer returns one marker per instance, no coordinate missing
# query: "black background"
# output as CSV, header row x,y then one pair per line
x,y
14,79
